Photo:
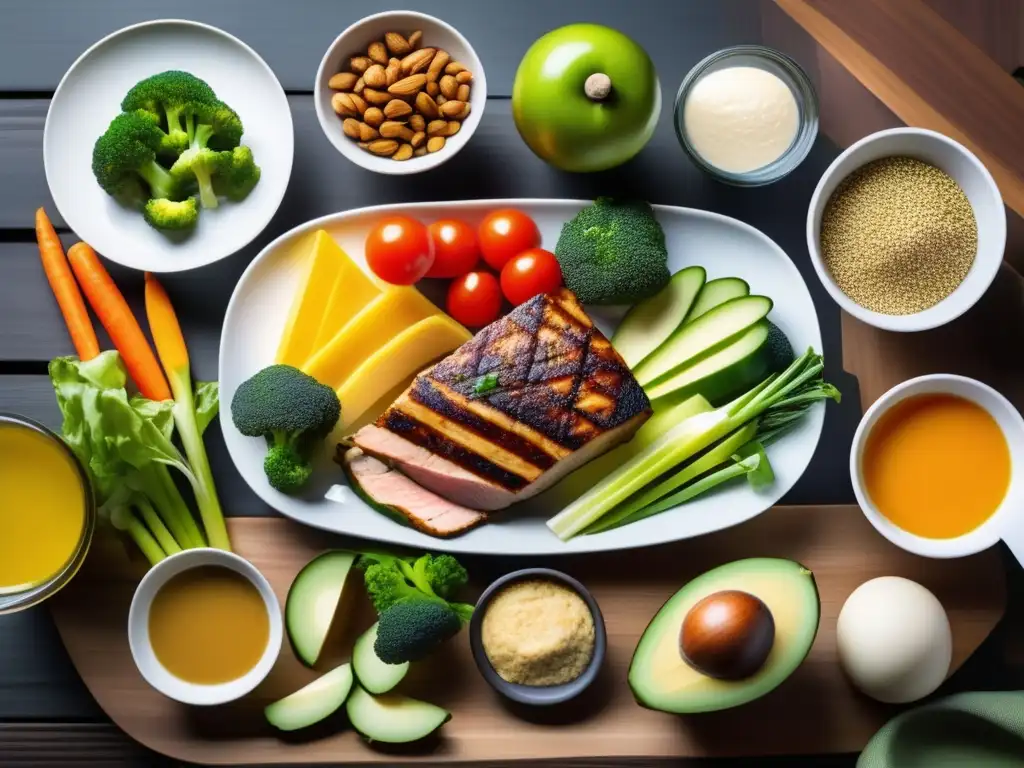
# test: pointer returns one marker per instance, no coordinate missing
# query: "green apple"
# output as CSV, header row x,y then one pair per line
x,y
586,97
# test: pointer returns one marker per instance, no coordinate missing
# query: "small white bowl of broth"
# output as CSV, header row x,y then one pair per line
x,y
204,627
47,513
936,467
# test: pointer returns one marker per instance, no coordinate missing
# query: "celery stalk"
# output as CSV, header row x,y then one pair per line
x,y
156,526
123,519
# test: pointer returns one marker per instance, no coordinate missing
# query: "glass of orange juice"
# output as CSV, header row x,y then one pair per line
x,y
47,513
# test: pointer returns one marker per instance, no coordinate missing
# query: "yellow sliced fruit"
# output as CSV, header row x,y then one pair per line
x,y
380,321
405,355
353,290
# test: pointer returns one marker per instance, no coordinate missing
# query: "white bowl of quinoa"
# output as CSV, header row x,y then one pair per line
x,y
906,229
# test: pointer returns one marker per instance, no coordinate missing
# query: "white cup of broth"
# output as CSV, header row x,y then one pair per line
x,y
204,627
937,467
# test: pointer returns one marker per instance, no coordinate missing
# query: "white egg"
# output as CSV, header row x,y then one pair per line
x,y
894,640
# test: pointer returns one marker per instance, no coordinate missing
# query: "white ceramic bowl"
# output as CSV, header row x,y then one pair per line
x,y
353,42
89,97
1006,523
973,178
142,649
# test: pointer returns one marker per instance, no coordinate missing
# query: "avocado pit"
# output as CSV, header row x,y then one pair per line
x,y
727,635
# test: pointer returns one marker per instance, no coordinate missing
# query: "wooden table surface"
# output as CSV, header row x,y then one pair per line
x,y
46,716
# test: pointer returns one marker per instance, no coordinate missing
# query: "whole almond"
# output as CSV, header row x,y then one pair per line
x,y
359,102
397,108
448,86
420,151
464,77
440,99
358,87
454,68
408,86
390,129
464,112
437,64
433,89
367,133
434,144
426,106
397,44
343,81
393,72
373,116
404,152
383,147
343,105
418,138
454,126
452,108
359,64
378,98
375,77
377,52
437,127
417,61
416,122
415,39
350,126
463,93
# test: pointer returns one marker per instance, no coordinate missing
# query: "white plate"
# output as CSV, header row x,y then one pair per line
x,y
259,306
89,97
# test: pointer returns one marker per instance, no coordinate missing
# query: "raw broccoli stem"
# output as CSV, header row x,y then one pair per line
x,y
153,522
203,134
206,194
173,118
160,181
190,126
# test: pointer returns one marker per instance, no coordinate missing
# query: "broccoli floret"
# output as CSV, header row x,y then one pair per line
x,y
200,166
410,629
443,573
613,252
125,156
211,127
215,125
170,98
239,175
161,213
390,580
293,412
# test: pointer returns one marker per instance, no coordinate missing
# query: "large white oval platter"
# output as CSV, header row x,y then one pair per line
x,y
723,246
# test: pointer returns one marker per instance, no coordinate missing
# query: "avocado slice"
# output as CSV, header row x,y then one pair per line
x,y
393,718
661,679
374,675
317,701
313,600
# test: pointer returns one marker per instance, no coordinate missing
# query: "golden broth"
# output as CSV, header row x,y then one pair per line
x,y
208,625
937,466
42,508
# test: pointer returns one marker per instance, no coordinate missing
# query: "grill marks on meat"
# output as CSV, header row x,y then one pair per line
x,y
508,406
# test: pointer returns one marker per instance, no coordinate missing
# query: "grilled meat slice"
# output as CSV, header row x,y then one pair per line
x,y
530,398
425,511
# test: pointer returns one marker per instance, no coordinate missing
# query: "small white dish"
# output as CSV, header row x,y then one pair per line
x,y
1006,523
89,97
155,673
353,42
973,178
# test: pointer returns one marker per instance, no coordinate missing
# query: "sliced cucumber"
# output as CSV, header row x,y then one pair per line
x,y
723,374
375,675
393,718
702,336
313,601
653,320
312,704
717,292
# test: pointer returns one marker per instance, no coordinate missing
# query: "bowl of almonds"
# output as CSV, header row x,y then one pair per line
x,y
400,92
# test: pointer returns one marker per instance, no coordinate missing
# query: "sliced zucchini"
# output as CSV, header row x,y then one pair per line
x,y
312,704
313,600
393,718
717,292
653,320
729,371
373,674
702,336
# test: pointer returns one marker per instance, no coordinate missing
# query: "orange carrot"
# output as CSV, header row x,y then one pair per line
x,y
167,336
122,327
65,289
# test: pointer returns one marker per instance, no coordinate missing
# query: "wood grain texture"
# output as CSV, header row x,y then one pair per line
x,y
995,26
815,711
293,36
929,74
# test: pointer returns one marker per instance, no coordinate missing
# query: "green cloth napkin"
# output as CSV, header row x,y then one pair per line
x,y
967,730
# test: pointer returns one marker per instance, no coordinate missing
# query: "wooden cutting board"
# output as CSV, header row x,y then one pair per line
x,y
815,711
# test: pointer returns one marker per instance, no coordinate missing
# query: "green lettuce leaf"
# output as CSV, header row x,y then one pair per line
x,y
207,403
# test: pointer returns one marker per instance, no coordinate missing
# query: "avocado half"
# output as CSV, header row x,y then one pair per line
x,y
659,677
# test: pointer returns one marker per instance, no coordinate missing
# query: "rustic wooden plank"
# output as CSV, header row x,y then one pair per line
x,y
293,36
995,26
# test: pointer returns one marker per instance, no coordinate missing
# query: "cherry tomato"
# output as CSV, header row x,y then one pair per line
x,y
531,272
455,249
505,234
475,299
399,250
